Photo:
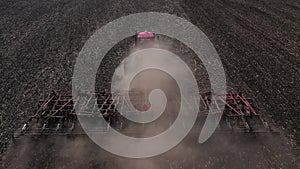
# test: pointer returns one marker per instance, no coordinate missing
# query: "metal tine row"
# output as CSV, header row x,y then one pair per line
x,y
59,111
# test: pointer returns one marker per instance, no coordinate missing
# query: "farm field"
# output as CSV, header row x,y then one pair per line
x,y
257,41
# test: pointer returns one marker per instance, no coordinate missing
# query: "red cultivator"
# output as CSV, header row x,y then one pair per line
x,y
56,114
239,113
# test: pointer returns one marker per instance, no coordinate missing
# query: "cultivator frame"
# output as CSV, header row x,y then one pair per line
x,y
56,114
239,113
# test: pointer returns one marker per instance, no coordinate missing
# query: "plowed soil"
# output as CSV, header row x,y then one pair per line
x,y
258,43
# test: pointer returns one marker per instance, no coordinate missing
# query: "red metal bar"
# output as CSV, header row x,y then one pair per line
x,y
59,109
204,102
45,103
247,103
238,113
216,104
237,105
53,108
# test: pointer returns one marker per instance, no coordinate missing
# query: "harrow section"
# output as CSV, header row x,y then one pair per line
x,y
56,114
239,113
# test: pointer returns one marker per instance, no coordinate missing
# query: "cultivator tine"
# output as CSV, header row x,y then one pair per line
x,y
247,103
57,113
228,105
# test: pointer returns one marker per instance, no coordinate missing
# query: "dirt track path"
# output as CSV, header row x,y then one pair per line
x,y
258,43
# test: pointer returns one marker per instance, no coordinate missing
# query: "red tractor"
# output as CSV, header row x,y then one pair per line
x,y
145,37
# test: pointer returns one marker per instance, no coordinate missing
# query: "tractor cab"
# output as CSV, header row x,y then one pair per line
x,y
145,37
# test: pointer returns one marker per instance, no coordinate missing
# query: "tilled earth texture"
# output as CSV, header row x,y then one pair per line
x,y
258,43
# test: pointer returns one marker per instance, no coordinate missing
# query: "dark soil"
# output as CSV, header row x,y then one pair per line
x,y
258,43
